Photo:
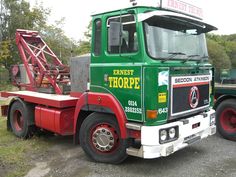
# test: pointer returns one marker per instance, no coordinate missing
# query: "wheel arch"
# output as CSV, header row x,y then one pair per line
x,y
99,100
80,118
223,98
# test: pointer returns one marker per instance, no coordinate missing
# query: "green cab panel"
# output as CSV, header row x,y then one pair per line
x,y
156,93
124,82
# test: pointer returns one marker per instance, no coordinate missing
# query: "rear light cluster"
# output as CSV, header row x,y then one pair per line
x,y
168,134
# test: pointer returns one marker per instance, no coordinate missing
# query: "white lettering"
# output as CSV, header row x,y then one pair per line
x,y
133,110
132,103
184,7
162,110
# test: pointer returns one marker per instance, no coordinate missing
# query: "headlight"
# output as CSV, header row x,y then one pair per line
x,y
168,134
172,133
163,135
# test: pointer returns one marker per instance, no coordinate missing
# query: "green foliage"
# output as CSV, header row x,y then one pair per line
x,y
56,39
17,14
217,55
88,33
4,80
230,48
5,52
222,48
20,16
84,47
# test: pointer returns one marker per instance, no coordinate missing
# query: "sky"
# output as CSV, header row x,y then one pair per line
x,y
77,13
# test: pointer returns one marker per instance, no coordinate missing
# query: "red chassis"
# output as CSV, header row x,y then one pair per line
x,y
61,113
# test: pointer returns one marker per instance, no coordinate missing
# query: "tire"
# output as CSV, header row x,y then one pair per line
x,y
19,120
226,119
99,137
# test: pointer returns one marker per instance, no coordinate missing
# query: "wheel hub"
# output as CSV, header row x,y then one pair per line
x,y
103,139
228,120
233,120
18,120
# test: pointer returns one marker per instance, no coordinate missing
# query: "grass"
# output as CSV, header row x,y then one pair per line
x,y
16,154
6,86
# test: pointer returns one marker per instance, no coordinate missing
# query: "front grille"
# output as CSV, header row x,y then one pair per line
x,y
189,94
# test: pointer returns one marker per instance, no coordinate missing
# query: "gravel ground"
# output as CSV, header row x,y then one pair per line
x,y
211,157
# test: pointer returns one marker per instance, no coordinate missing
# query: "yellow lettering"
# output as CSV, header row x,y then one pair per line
x,y
115,82
120,82
124,72
126,82
131,72
110,81
137,80
131,81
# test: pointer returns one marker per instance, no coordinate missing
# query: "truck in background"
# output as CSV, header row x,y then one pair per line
x,y
225,95
145,90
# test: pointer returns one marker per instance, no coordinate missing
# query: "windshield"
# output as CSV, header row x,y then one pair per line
x,y
172,38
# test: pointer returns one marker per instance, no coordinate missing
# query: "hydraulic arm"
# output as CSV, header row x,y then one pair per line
x,y
43,68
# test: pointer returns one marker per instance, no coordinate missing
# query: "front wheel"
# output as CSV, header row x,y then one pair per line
x,y
226,119
100,139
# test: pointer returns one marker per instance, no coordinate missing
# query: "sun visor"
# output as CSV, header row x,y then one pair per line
x,y
178,17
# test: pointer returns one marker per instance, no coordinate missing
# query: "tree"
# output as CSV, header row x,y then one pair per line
x,y
228,43
88,33
218,56
60,44
85,45
17,14
230,48
5,52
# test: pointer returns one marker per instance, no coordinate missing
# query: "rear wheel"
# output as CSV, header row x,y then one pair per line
x,y
19,118
100,139
226,119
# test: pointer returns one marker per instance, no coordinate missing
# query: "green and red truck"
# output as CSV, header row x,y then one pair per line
x,y
145,90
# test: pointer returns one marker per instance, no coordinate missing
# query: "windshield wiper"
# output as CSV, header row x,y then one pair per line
x,y
203,58
173,54
189,57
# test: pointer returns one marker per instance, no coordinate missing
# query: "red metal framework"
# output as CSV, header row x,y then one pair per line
x,y
43,67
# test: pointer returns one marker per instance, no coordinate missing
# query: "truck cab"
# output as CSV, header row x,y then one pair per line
x,y
154,61
139,53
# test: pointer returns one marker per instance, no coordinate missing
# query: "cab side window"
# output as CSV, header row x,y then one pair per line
x,y
128,36
97,37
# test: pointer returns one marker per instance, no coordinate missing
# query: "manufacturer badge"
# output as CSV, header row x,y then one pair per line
x,y
194,97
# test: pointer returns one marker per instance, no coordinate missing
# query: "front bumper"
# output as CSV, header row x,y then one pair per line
x,y
151,148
